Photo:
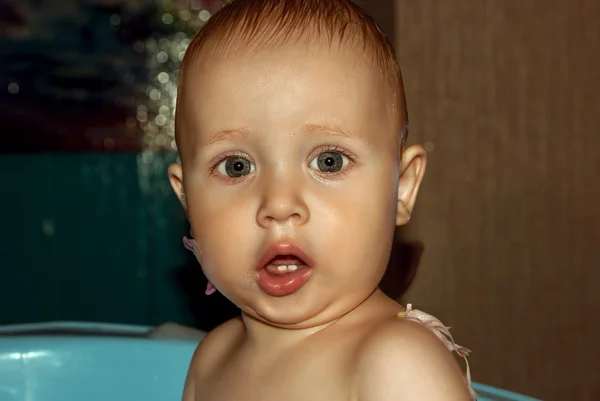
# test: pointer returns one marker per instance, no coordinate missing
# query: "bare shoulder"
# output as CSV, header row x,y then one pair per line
x,y
217,344
404,361
210,353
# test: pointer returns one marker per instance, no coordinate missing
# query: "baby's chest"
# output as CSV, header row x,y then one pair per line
x,y
316,380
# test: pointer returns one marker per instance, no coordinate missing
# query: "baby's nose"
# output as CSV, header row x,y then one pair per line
x,y
282,203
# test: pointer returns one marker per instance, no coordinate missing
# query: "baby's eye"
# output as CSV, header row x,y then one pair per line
x,y
329,162
235,167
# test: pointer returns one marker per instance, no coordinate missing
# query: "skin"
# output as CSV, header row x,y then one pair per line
x,y
338,337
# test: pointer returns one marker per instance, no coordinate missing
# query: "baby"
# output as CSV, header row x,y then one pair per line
x,y
291,125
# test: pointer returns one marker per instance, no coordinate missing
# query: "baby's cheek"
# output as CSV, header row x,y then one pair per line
x,y
376,203
373,214
224,239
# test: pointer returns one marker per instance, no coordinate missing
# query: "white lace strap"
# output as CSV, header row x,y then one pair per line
x,y
443,333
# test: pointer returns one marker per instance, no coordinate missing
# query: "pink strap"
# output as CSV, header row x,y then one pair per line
x,y
190,245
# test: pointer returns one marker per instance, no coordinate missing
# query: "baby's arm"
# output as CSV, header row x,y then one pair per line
x,y
209,356
403,361
189,389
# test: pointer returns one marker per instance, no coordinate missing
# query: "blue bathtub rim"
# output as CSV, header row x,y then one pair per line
x,y
486,390
74,327
82,329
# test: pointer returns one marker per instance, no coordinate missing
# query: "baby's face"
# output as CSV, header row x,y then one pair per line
x,y
297,148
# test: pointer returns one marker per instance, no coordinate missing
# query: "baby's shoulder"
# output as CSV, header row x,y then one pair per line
x,y
215,347
209,355
402,359
399,340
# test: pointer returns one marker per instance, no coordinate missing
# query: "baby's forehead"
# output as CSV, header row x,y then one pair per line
x,y
343,59
237,49
300,67
320,92
244,86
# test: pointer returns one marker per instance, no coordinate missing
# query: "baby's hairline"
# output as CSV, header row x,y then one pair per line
x,y
360,46
254,25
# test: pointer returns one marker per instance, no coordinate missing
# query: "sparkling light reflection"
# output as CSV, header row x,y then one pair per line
x,y
163,58
156,113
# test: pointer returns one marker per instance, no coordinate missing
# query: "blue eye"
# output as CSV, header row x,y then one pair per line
x,y
329,162
235,167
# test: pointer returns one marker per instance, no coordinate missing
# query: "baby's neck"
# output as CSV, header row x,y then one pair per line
x,y
261,334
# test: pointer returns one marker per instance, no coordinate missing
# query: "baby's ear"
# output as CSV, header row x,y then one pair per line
x,y
176,179
412,170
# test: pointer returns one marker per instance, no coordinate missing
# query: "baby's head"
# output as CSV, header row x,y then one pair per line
x,y
291,124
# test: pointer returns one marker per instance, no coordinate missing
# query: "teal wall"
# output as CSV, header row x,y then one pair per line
x,y
95,237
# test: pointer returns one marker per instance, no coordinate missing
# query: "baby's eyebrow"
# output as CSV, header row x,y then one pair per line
x,y
228,135
331,129
311,129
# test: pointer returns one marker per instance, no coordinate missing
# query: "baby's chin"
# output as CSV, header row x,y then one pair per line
x,y
294,321
298,312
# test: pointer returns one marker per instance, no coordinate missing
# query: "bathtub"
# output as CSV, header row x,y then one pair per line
x,y
99,362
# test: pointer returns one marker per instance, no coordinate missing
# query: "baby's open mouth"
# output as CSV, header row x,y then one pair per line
x,y
284,264
283,270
